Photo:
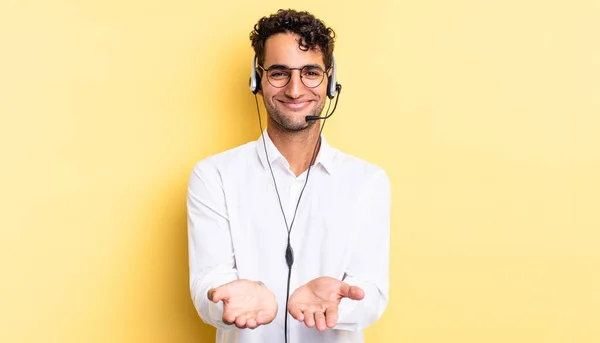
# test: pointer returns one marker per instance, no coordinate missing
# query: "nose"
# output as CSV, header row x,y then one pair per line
x,y
294,87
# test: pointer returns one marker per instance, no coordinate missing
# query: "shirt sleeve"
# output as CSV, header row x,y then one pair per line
x,y
368,267
210,249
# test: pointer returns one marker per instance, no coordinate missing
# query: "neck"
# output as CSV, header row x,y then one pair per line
x,y
297,147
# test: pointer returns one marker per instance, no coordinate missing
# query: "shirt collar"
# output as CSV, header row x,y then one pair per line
x,y
324,158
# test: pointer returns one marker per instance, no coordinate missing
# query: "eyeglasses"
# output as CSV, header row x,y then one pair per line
x,y
279,76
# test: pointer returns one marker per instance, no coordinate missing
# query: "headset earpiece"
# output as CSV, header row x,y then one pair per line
x,y
254,78
331,80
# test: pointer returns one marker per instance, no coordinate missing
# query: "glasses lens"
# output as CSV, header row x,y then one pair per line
x,y
279,77
312,76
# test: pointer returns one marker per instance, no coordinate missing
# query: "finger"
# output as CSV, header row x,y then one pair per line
x,y
211,294
331,316
309,319
240,322
296,313
251,323
320,321
344,289
265,317
218,294
228,318
356,293
352,292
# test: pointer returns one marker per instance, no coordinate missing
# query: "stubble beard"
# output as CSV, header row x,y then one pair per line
x,y
289,122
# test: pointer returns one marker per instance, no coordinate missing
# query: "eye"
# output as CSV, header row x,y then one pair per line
x,y
279,74
312,73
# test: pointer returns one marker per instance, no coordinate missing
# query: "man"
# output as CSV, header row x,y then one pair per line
x,y
260,230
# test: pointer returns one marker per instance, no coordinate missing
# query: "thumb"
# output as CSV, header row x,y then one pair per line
x,y
217,294
351,292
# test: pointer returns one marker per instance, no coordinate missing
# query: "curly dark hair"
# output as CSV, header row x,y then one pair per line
x,y
313,32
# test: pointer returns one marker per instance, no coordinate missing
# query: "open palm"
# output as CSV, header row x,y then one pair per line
x,y
316,303
246,303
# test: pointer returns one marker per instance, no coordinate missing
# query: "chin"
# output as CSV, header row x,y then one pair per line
x,y
296,125
295,122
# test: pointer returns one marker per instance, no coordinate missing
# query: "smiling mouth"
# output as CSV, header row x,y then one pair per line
x,y
295,105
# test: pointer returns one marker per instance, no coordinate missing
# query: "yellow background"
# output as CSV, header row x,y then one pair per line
x,y
485,114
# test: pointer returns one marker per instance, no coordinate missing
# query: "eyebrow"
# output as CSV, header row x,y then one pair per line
x,y
283,66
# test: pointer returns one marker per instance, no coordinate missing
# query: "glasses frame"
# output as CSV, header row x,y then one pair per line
x,y
266,71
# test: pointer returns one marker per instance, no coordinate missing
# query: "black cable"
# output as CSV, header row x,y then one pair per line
x,y
289,252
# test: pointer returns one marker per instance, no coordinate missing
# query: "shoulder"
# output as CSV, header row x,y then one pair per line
x,y
229,160
366,183
359,170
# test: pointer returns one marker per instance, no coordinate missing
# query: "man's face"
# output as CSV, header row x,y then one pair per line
x,y
288,106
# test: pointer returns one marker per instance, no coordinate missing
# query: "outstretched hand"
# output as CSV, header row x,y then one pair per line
x,y
316,303
247,304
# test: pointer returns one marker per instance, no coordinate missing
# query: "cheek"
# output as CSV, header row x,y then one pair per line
x,y
320,91
271,93
323,88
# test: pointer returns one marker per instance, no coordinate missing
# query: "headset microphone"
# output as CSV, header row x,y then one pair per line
x,y
338,88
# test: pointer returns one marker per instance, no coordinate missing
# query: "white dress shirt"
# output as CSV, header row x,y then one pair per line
x,y
236,230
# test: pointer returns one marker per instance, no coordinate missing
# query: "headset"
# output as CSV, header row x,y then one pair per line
x,y
332,86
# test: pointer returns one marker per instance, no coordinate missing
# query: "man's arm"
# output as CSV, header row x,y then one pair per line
x,y
369,263
211,257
